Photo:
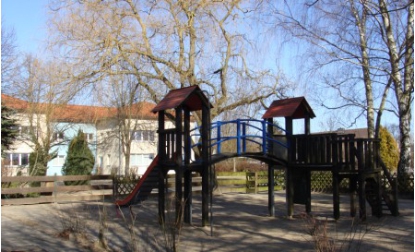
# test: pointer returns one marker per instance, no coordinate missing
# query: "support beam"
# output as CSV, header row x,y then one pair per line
x,y
336,195
289,187
362,197
162,138
205,135
271,194
271,181
179,163
161,197
308,191
352,191
187,173
377,210
162,159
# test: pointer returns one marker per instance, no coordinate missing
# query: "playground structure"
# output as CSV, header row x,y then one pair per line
x,y
344,156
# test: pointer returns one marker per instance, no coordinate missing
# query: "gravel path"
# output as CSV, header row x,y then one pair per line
x,y
240,223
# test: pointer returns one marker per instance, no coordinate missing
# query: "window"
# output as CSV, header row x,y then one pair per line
x,y
58,136
143,135
16,159
89,137
61,159
24,158
136,135
152,136
24,131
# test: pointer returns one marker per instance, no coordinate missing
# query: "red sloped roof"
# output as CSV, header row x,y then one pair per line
x,y
13,103
192,97
295,108
81,113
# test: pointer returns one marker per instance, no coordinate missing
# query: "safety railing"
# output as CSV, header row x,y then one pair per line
x,y
248,134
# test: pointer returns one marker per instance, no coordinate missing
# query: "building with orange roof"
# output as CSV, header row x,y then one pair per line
x,y
100,124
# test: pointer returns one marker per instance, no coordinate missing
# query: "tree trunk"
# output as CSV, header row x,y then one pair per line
x,y
403,86
405,141
127,160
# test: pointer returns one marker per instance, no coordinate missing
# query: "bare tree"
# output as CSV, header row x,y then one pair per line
x,y
399,38
359,46
125,95
165,45
45,88
8,56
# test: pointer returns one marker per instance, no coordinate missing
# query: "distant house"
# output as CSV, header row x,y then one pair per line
x,y
102,129
359,132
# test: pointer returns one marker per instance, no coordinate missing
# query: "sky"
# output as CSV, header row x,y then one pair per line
x,y
28,19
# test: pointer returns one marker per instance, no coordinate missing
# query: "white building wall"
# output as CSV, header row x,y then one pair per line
x,y
109,152
16,158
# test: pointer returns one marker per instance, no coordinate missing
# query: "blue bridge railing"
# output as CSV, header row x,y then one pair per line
x,y
243,131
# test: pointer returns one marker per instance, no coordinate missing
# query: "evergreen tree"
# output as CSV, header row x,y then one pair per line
x,y
389,151
79,160
8,128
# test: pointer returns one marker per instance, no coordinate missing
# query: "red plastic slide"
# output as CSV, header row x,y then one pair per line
x,y
131,196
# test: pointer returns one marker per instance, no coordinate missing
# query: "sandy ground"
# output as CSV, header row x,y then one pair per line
x,y
240,223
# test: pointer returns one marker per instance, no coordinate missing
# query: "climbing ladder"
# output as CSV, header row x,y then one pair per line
x,y
380,188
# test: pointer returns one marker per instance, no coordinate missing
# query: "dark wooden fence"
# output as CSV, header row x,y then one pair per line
x,y
47,189
19,190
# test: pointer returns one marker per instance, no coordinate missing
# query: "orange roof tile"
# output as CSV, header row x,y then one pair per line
x,y
82,113
13,103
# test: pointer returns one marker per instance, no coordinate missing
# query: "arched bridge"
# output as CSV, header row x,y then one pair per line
x,y
252,138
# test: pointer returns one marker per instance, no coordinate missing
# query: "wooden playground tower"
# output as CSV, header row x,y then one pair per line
x,y
343,155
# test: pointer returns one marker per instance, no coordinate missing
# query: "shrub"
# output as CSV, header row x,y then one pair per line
x,y
80,160
389,151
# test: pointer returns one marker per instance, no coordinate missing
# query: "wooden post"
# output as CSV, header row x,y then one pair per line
x,y
308,172
179,163
335,175
244,138
362,180
238,136
187,173
336,195
161,138
205,164
352,191
161,197
162,159
308,191
289,186
307,124
289,132
377,210
271,181
289,193
362,197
